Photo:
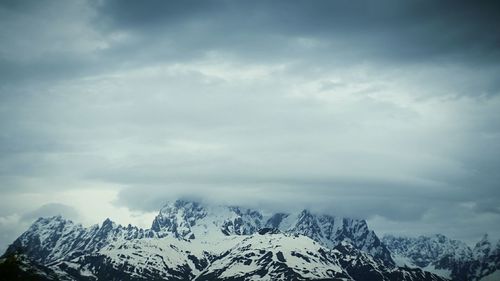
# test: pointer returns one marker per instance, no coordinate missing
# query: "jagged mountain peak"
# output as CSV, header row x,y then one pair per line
x,y
109,224
193,220
54,238
190,219
423,250
181,204
305,213
447,257
185,219
482,248
199,241
53,220
485,240
352,259
276,219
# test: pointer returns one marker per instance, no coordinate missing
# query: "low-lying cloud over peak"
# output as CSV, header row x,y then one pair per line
x,y
385,110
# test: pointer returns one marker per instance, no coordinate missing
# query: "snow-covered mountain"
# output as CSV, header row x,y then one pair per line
x,y
275,257
190,220
51,239
446,257
193,241
296,257
361,266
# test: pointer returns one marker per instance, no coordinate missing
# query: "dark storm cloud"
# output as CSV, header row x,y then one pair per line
x,y
132,14
350,198
313,35
397,31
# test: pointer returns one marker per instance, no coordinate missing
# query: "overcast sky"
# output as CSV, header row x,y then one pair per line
x,y
384,110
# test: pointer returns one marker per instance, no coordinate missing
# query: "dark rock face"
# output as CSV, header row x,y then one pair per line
x,y
267,230
275,220
189,241
486,260
103,268
361,266
330,231
426,250
247,222
19,267
178,219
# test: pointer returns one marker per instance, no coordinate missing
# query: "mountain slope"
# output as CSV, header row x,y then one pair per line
x,y
191,241
446,257
20,267
331,231
50,239
275,257
192,220
362,266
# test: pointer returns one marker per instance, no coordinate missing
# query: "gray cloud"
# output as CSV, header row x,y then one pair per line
x,y
51,209
386,110
411,31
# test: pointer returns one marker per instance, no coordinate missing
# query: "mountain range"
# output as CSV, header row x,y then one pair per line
x,y
447,257
194,241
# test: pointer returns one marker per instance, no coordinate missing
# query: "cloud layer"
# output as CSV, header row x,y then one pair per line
x,y
386,111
